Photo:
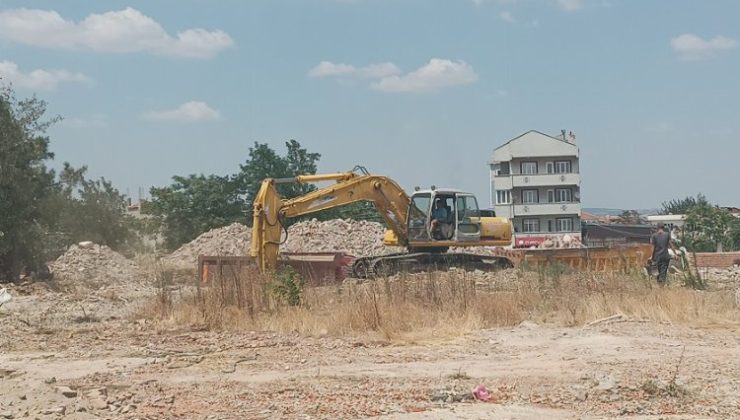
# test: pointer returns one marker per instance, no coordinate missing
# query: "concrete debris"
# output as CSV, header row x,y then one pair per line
x,y
358,238
721,278
67,391
94,267
59,410
98,403
233,239
565,241
5,297
606,382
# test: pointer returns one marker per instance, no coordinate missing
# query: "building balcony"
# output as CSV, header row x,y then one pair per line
x,y
547,209
503,182
544,180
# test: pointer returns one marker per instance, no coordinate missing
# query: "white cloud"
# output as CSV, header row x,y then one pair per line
x,y
327,68
373,71
506,16
378,71
435,75
693,47
187,112
570,5
38,79
122,31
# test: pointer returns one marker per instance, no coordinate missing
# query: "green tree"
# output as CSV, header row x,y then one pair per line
x,y
682,206
197,203
24,181
193,205
708,228
90,210
264,162
630,217
42,213
733,235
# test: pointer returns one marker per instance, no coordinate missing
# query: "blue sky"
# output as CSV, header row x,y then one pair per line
x,y
419,90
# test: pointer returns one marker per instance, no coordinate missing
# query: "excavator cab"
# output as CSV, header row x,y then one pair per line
x,y
458,222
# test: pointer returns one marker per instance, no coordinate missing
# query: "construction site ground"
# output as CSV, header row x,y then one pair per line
x,y
101,363
90,345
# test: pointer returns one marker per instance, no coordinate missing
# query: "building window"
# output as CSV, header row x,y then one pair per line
x,y
563,195
504,168
562,167
530,225
529,168
549,225
503,197
550,168
565,225
530,196
550,196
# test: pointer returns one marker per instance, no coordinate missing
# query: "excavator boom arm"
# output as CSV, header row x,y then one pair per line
x,y
390,200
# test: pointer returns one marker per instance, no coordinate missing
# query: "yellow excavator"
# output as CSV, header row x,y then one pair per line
x,y
428,223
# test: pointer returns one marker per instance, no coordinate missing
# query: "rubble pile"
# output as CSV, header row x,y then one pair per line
x,y
722,278
228,240
93,266
566,241
359,238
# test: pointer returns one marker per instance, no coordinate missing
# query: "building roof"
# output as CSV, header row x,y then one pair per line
x,y
533,144
450,191
534,131
590,217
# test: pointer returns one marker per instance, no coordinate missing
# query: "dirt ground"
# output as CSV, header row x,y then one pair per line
x,y
88,358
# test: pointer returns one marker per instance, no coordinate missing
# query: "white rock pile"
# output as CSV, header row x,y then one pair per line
x,y
92,266
722,278
358,238
231,240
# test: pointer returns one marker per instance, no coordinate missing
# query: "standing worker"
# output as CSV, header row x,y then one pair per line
x,y
661,241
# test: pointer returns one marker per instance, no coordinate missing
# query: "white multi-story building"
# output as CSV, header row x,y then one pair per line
x,y
535,182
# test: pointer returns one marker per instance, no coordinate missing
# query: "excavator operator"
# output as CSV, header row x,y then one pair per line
x,y
440,217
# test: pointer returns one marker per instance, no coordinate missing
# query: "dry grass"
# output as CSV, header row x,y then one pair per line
x,y
440,305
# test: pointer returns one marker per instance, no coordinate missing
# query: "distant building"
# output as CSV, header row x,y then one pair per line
x,y
735,211
609,234
587,217
672,221
535,182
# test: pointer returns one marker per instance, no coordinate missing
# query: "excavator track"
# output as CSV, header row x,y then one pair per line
x,y
388,265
